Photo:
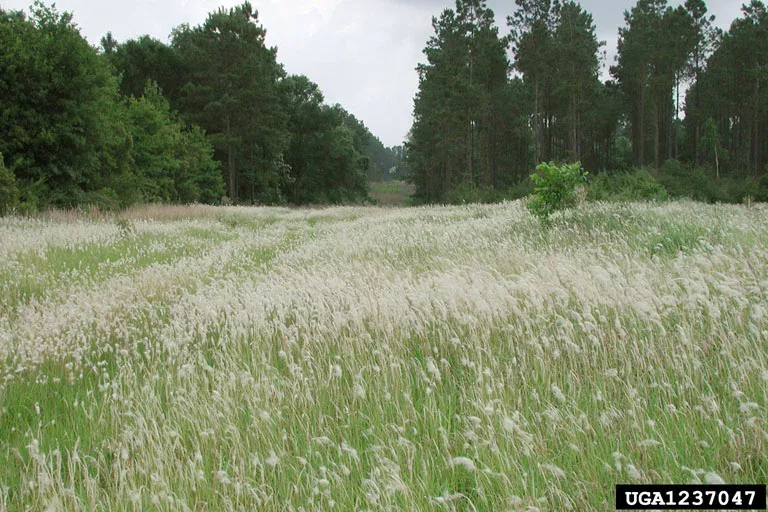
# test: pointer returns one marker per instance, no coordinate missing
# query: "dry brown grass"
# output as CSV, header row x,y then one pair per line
x,y
158,212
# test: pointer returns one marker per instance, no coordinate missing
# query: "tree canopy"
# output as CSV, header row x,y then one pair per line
x,y
213,115
679,91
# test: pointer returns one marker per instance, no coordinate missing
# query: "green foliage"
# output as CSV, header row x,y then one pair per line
x,y
199,174
761,191
469,193
9,194
154,138
173,163
555,188
323,161
467,113
232,91
701,184
653,54
377,161
636,185
140,60
622,151
79,127
57,108
727,105
711,146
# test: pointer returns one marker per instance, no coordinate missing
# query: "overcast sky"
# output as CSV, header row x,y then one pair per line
x,y
362,53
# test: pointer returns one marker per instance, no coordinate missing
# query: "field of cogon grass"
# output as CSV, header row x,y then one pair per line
x,y
441,358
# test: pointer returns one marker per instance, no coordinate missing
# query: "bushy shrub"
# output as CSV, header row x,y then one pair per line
x,y
734,189
701,184
555,188
9,194
675,177
761,191
637,185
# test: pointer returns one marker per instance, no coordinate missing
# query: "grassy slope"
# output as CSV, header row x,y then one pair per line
x,y
432,358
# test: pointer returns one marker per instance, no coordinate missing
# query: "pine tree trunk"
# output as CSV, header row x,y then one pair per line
x,y
677,115
697,119
669,121
536,125
574,143
755,110
231,164
656,136
717,162
696,143
641,129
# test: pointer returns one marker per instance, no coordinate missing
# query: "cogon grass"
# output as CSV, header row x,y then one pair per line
x,y
435,358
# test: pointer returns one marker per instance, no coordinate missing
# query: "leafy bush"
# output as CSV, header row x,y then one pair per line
x,y
9,194
174,162
761,191
675,178
555,188
701,184
638,185
735,189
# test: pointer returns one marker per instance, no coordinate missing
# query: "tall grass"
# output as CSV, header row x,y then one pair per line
x,y
454,358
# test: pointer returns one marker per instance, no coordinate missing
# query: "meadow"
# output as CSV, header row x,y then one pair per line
x,y
392,193
434,358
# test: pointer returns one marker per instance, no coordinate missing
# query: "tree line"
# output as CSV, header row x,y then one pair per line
x,y
210,115
684,99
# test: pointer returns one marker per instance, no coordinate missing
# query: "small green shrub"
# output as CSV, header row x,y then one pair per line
x,y
555,188
637,185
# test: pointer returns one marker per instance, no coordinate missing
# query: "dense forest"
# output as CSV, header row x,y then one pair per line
x,y
210,116
684,101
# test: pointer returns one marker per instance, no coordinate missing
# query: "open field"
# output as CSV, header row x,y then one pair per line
x,y
454,358
392,193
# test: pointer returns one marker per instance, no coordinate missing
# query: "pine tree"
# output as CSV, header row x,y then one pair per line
x,y
533,25
232,92
454,139
706,37
576,73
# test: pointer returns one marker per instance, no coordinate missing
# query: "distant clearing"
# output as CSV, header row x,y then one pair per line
x,y
392,193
